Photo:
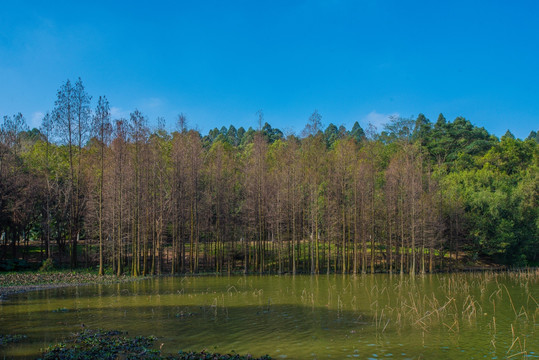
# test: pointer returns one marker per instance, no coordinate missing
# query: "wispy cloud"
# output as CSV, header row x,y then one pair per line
x,y
118,113
378,119
35,119
153,103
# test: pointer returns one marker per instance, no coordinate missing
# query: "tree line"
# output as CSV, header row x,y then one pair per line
x,y
115,194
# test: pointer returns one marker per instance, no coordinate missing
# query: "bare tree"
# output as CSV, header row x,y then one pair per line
x,y
101,127
71,115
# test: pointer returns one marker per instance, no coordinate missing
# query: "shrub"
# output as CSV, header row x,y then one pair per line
x,y
47,265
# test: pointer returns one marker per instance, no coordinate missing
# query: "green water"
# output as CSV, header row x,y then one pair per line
x,y
450,316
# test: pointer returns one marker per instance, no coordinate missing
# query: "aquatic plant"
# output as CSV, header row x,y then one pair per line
x,y
101,344
8,339
113,344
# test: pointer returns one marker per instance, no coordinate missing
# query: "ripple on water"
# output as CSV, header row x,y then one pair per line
x,y
304,315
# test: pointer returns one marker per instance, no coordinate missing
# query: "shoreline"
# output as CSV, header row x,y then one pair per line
x,y
48,281
19,283
8,291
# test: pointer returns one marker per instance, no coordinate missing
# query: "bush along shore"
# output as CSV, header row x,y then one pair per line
x,y
15,283
112,344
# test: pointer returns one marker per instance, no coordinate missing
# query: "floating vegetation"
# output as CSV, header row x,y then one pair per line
x,y
110,345
183,314
60,310
8,339
100,344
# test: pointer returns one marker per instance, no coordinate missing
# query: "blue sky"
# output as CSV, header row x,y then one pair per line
x,y
221,61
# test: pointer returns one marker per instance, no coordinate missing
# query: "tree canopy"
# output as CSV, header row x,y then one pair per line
x,y
118,194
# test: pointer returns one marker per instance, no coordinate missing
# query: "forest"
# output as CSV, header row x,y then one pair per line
x,y
116,195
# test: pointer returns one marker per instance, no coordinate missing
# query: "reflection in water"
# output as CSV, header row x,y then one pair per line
x,y
302,317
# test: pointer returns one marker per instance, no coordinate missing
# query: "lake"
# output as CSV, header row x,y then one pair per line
x,y
450,316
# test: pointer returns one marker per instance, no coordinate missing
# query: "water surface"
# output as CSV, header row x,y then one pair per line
x,y
451,316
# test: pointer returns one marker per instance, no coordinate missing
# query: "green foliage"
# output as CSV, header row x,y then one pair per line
x,y
154,190
357,132
500,201
47,265
270,134
534,135
398,129
510,155
14,265
449,142
422,128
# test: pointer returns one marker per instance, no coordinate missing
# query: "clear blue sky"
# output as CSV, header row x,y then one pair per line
x,y
221,61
